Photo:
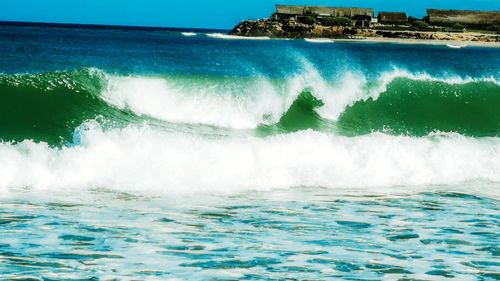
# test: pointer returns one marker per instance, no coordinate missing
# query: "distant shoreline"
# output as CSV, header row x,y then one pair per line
x,y
369,40
265,28
422,42
461,43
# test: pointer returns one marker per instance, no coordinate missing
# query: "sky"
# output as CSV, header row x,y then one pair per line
x,y
219,14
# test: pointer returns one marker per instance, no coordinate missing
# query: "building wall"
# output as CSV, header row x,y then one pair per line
x,y
463,17
289,10
392,17
320,10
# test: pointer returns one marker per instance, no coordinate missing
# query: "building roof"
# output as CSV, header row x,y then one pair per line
x,y
463,16
458,12
290,10
323,10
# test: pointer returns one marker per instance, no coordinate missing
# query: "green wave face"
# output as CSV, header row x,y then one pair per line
x,y
414,107
48,107
300,116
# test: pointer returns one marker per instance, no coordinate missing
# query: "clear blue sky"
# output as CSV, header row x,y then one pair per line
x,y
197,13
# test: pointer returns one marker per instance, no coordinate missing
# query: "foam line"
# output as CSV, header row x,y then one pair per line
x,y
141,159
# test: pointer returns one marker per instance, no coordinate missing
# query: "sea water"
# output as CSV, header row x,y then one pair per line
x,y
153,155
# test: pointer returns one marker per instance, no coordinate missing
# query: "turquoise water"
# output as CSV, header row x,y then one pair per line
x,y
306,233
151,155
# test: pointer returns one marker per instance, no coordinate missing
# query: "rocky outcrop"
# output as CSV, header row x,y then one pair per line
x,y
290,28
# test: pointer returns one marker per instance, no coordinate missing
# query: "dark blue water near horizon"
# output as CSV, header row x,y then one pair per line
x,y
39,49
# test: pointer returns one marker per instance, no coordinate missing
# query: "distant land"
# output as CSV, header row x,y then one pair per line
x,y
292,21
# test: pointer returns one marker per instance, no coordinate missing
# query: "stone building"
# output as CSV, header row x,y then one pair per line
x,y
466,18
392,18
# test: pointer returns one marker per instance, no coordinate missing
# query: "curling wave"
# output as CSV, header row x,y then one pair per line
x,y
49,107
91,129
420,107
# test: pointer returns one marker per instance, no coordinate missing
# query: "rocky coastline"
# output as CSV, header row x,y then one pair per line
x,y
293,29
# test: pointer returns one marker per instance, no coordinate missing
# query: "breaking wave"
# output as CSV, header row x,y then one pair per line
x,y
141,159
420,107
88,128
319,40
235,37
49,107
397,103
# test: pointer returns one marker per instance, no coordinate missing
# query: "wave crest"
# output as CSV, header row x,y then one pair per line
x,y
398,103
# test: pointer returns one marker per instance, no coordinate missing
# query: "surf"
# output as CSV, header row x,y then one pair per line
x,y
397,103
319,40
144,160
189,34
419,107
48,107
454,46
235,37
250,103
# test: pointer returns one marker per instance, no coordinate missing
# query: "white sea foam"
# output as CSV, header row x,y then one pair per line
x,y
387,77
319,40
220,103
231,103
453,46
247,103
234,37
143,159
336,94
189,34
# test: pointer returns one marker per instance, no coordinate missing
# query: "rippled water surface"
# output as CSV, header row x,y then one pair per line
x,y
295,234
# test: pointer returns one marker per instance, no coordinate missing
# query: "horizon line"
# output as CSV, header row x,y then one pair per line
x,y
105,26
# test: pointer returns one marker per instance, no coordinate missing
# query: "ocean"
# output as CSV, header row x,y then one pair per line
x,y
187,155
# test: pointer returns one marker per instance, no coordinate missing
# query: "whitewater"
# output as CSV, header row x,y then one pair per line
x,y
155,138
191,155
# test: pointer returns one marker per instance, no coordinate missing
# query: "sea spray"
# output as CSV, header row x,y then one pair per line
x,y
142,159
